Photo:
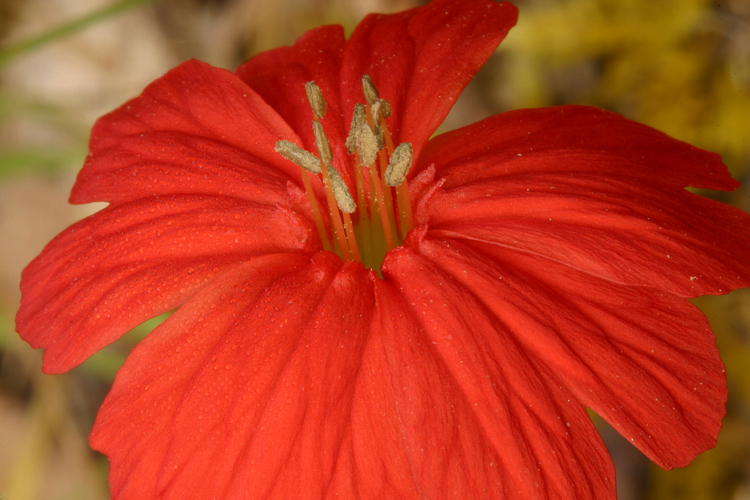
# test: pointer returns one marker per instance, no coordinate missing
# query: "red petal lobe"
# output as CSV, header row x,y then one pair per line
x,y
128,263
571,140
197,129
613,208
421,59
644,360
279,76
246,391
521,434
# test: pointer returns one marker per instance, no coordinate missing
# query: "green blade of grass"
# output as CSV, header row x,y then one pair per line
x,y
9,53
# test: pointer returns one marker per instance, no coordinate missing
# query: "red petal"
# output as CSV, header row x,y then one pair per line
x,y
279,76
128,263
486,414
644,360
197,129
421,60
571,140
265,385
246,391
617,211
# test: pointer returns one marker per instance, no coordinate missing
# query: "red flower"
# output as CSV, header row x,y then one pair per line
x,y
546,268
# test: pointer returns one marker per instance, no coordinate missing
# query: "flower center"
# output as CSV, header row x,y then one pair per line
x,y
381,217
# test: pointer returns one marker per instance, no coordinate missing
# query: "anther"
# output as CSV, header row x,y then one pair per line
x,y
298,156
344,200
399,164
321,142
315,98
369,89
375,111
378,131
358,118
385,108
367,145
380,109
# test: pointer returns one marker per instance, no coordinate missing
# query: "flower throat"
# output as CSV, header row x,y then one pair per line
x,y
380,173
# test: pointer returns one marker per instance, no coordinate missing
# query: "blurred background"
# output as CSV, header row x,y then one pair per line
x,y
682,66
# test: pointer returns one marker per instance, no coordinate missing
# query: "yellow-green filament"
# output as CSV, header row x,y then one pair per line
x,y
316,211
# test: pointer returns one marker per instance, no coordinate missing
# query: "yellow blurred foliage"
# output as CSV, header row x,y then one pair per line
x,y
682,66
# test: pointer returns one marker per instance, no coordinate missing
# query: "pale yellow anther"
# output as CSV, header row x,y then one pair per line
x,y
315,98
298,156
399,164
367,145
344,199
380,109
321,142
358,118
385,108
375,110
369,89
379,136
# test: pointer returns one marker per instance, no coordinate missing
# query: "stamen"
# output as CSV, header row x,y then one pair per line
x,y
319,226
378,131
315,98
387,196
372,146
321,142
298,156
358,118
399,165
367,152
338,227
343,199
367,145
385,108
308,162
364,216
384,220
346,205
380,109
375,110
387,136
351,238
402,189
369,89
395,175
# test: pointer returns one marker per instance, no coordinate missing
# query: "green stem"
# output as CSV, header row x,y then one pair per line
x,y
7,54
